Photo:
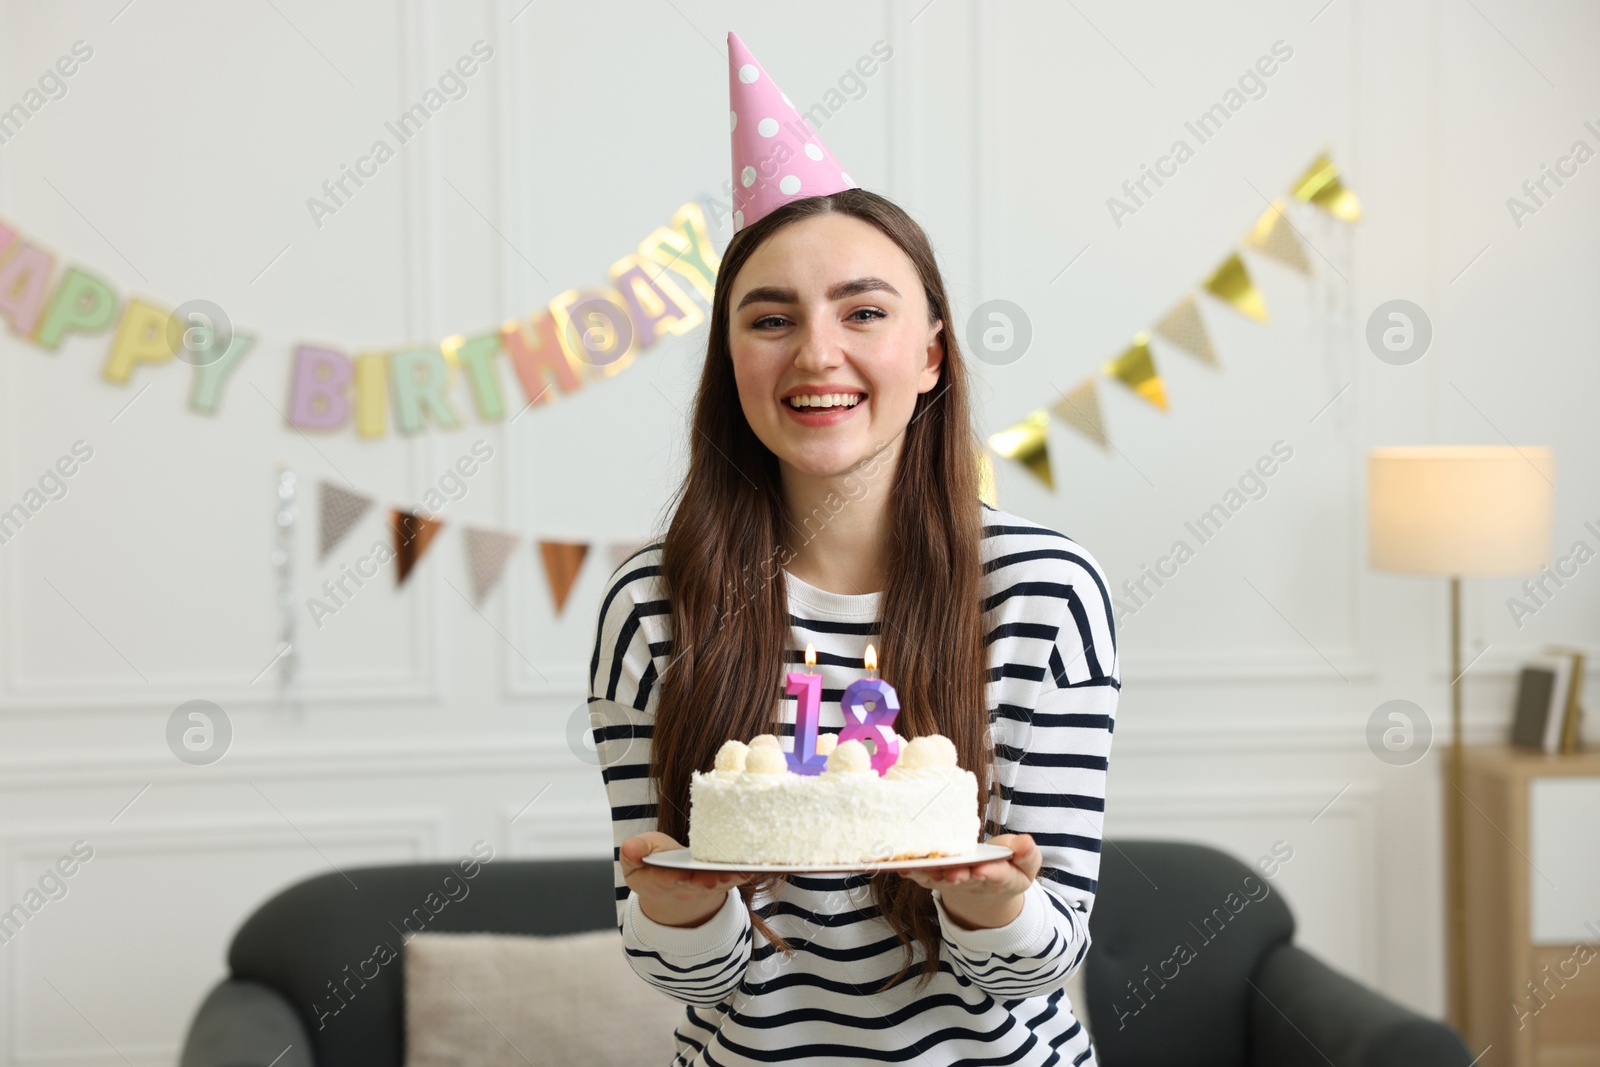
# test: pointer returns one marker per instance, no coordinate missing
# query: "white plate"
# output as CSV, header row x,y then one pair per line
x,y
679,859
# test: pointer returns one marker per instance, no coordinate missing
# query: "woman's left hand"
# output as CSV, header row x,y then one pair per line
x,y
980,896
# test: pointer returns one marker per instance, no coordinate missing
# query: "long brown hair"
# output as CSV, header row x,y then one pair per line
x,y
728,539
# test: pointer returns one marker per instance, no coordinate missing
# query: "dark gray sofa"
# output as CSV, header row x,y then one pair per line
x,y
1244,996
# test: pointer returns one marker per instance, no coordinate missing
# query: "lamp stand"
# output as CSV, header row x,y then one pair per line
x,y
1455,829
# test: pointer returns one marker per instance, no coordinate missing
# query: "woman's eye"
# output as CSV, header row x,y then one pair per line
x,y
769,322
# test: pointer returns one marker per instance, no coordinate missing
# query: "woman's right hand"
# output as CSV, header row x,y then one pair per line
x,y
673,897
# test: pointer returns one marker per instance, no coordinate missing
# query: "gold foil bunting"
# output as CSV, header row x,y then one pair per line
x,y
1137,370
1027,443
1321,185
986,486
1183,324
1231,283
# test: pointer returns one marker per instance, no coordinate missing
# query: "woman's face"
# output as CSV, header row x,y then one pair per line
x,y
829,305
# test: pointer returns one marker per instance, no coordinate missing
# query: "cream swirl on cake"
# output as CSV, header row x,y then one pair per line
x,y
752,809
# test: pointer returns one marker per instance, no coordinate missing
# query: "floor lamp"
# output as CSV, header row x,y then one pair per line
x,y
1459,511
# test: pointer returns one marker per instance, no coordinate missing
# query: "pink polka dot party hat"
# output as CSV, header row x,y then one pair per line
x,y
776,156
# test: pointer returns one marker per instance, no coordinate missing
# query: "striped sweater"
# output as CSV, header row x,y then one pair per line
x,y
1052,689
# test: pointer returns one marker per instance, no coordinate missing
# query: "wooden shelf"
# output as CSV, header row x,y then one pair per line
x,y
1557,1022
1507,762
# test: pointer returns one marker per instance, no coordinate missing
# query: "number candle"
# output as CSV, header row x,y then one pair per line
x,y
808,688
870,706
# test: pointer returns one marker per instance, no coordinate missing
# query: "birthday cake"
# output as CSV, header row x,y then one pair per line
x,y
752,808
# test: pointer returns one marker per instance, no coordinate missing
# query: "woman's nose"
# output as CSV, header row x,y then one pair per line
x,y
818,348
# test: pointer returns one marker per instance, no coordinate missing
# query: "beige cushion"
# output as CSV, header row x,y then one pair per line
x,y
505,1000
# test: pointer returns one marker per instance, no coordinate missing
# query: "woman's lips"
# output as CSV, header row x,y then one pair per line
x,y
821,416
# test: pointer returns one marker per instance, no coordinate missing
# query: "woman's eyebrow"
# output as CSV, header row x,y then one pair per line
x,y
777,295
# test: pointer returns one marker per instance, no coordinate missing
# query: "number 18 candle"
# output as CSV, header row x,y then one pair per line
x,y
870,706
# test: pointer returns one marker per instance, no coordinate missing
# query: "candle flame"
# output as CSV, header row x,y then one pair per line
x,y
870,661
811,656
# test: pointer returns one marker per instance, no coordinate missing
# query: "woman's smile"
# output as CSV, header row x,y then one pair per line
x,y
810,408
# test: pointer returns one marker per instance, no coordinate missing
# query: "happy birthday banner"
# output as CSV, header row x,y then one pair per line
x,y
1027,442
583,333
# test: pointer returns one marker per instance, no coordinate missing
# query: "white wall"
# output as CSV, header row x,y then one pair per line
x,y
178,167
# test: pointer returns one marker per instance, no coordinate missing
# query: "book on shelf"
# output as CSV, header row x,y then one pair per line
x,y
1548,714
1571,738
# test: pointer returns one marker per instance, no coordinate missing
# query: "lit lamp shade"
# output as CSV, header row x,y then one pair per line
x,y
1460,510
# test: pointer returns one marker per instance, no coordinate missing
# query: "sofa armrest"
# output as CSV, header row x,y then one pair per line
x,y
246,1024
1303,1011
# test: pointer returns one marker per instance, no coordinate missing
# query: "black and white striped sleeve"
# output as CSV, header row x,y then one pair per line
x,y
699,965
1061,751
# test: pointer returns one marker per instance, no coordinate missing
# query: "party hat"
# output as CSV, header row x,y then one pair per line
x,y
776,156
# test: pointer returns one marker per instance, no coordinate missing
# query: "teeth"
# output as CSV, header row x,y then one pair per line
x,y
825,400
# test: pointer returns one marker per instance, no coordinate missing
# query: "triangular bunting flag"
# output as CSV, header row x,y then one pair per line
x,y
487,553
338,511
561,562
413,534
1027,443
986,487
1137,370
1184,327
1080,409
1231,284
621,550
1320,185
1273,236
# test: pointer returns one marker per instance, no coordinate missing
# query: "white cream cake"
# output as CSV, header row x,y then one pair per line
x,y
752,809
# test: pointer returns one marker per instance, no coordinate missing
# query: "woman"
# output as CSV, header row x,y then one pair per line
x,y
859,522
